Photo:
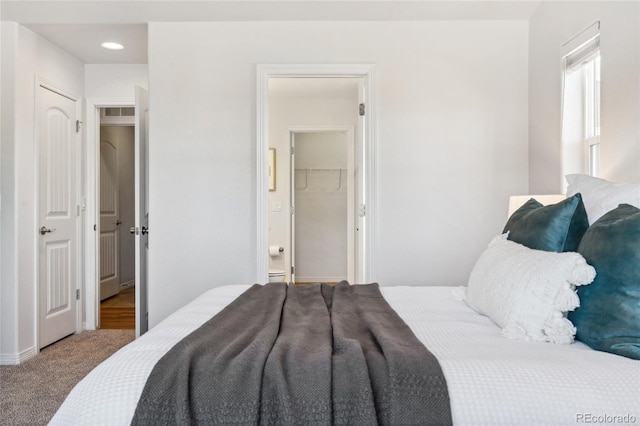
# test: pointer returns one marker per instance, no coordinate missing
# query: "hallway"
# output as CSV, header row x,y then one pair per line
x,y
119,311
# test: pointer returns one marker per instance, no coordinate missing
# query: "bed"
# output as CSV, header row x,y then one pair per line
x,y
491,380
499,370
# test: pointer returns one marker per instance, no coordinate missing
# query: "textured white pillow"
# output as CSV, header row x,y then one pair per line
x,y
600,196
527,292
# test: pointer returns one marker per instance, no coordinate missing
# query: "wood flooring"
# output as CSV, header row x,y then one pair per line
x,y
119,311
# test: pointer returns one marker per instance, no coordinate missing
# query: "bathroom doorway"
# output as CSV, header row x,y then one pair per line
x,y
318,114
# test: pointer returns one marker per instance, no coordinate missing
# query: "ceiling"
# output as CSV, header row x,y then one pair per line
x,y
79,27
83,41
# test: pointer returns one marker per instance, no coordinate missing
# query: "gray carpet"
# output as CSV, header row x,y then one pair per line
x,y
31,393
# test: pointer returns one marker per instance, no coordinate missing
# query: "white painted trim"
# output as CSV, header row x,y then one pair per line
x,y
19,358
263,73
130,283
91,253
9,359
41,82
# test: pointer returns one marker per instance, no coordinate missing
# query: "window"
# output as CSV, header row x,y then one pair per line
x,y
581,109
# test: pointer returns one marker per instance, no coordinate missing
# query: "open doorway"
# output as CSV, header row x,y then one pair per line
x,y
322,193
117,216
140,231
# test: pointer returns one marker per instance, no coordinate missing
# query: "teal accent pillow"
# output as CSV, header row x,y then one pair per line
x,y
608,318
557,227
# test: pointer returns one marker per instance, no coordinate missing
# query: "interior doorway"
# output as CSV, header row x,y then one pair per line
x,y
140,109
317,175
322,196
117,215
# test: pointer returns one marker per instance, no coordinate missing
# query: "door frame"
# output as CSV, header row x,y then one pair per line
x,y
92,224
367,234
351,194
41,82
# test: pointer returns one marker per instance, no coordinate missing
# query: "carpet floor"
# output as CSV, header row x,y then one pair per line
x,y
32,392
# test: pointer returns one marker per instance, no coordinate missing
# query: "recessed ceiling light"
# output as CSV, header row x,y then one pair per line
x,y
112,45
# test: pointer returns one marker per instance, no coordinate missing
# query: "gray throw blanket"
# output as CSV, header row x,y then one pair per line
x,y
297,355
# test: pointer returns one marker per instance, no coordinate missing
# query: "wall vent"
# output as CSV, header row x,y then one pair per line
x,y
117,115
119,112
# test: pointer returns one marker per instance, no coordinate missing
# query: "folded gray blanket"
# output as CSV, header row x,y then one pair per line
x,y
289,355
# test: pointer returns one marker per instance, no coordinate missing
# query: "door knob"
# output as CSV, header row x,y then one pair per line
x,y
133,230
44,230
118,222
145,230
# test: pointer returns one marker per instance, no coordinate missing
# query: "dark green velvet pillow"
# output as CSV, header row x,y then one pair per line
x,y
608,318
557,227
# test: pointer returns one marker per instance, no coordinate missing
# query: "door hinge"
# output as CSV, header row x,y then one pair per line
x,y
293,210
361,109
78,126
362,210
293,150
77,294
293,270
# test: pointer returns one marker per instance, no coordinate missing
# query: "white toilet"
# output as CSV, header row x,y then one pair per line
x,y
276,276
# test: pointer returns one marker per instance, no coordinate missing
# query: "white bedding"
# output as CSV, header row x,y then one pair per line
x,y
491,380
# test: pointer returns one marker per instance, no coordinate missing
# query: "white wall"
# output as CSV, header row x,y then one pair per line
x,y
34,57
8,239
115,82
553,24
452,143
301,104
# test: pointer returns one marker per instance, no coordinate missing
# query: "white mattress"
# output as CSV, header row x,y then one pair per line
x,y
491,380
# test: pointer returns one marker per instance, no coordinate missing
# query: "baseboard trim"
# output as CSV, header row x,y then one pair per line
x,y
9,359
16,359
128,284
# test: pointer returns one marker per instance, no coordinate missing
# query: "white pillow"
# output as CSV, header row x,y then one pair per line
x,y
600,196
527,292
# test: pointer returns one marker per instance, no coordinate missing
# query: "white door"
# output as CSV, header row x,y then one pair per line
x,y
109,218
141,228
58,216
